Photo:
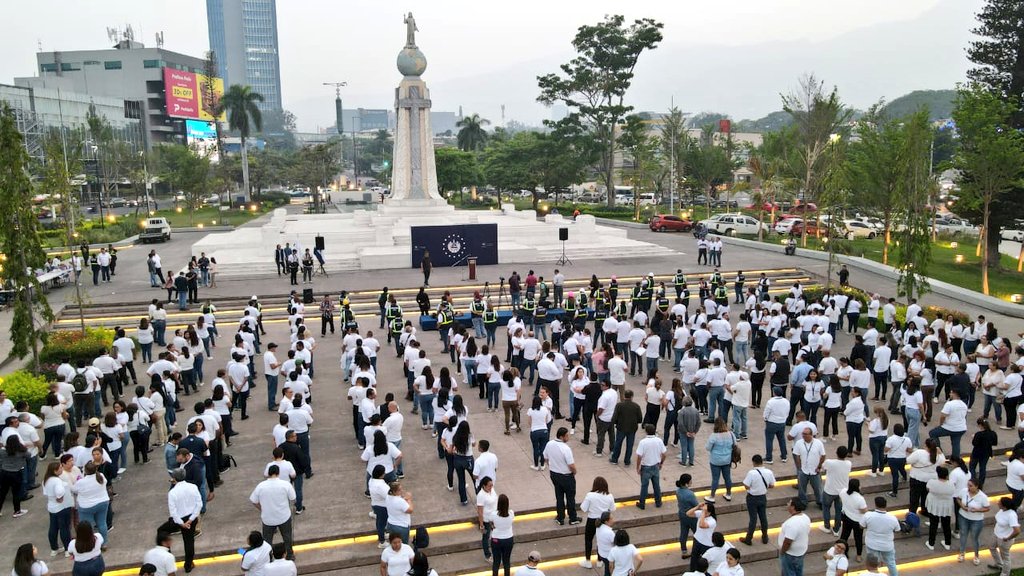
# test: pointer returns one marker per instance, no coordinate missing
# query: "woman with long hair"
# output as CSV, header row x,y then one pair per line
x,y
468,357
445,438
222,405
87,551
654,395
539,417
897,448
494,378
577,382
707,521
756,365
913,408
596,503
26,563
424,385
158,395
59,504
939,504
510,398
854,507
982,445
833,397
421,566
115,441
13,460
972,505
145,335
672,402
461,449
923,464
93,500
624,559
186,371
197,349
441,404
502,538
878,429
811,401
383,453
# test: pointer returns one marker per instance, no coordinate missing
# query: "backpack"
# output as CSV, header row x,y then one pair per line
x,y
226,462
422,538
911,524
80,383
737,455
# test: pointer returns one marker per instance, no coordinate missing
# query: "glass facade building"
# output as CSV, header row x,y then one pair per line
x,y
243,35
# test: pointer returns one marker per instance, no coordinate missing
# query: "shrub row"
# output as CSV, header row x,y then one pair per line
x,y
862,296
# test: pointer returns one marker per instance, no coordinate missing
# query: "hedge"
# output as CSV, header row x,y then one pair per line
x,y
23,385
930,312
75,345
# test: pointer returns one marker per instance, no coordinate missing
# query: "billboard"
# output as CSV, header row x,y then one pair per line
x,y
202,137
453,245
187,96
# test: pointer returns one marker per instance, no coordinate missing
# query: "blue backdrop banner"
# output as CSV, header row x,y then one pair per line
x,y
454,245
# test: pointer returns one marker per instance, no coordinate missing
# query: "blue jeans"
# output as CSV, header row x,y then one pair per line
x,y
828,503
97,516
400,470
913,424
147,352
954,438
877,446
426,409
297,484
802,480
652,365
742,349
970,530
791,565
493,390
887,558
60,524
463,468
685,449
677,357
402,531
183,300
739,421
771,432
478,326
650,474
538,439
271,391
725,472
382,521
470,366
619,437
716,401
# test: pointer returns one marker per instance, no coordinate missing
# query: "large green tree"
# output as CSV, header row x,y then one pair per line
x,y
21,251
472,136
998,57
817,116
593,85
244,116
876,164
108,152
644,161
991,159
187,172
456,169
706,166
510,165
916,188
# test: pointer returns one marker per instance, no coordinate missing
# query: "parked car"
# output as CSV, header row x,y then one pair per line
x,y
212,199
766,206
727,204
813,228
1012,234
670,223
953,225
647,199
786,224
857,229
733,224
805,208
118,203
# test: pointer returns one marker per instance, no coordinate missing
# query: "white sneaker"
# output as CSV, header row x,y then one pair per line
x,y
373,514
543,467
532,467
122,470
825,529
572,431
586,564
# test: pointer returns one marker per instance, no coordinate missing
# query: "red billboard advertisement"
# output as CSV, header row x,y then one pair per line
x,y
189,95
725,126
182,98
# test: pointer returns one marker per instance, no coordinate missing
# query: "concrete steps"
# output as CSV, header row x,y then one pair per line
x,y
364,303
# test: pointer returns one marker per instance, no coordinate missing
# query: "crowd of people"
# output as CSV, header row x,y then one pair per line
x,y
567,361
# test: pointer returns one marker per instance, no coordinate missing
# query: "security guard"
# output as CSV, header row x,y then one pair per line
x,y
600,315
528,308
542,290
445,319
613,291
662,302
392,311
622,309
540,321
703,290
382,301
569,306
580,320
716,280
738,286
634,299
397,325
679,281
646,294
490,323
686,295
476,312
581,299
722,296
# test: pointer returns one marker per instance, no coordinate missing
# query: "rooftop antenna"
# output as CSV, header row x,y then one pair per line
x,y
112,34
129,34
39,44
503,115
160,39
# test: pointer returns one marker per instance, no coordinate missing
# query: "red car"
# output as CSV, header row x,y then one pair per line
x,y
669,223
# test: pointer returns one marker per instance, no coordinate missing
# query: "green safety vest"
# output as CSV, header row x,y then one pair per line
x,y
396,325
721,292
570,306
599,303
540,313
583,299
444,318
663,304
635,295
622,309
679,280
393,311
477,307
613,290
490,317
645,293
581,312
716,278
600,312
529,305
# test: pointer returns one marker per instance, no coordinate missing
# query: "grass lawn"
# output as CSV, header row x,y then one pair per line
x,y
210,216
944,267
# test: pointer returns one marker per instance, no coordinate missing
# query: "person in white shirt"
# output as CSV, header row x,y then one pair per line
x,y
273,498
793,538
757,482
952,422
880,527
562,471
160,556
396,559
272,371
279,565
257,557
837,479
650,455
776,410
184,505
1005,531
623,559
809,454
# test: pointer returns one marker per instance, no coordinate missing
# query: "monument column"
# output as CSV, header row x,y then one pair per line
x,y
414,174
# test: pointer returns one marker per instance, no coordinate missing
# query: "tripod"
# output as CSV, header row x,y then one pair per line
x,y
321,271
502,294
564,259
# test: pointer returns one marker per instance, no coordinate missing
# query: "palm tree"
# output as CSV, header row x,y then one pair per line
x,y
243,115
472,135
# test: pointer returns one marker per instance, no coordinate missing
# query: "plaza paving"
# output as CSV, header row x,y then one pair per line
x,y
336,506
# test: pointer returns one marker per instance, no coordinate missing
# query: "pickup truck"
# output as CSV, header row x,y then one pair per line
x,y
155,230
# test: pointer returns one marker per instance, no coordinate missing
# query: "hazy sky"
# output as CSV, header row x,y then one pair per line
x,y
483,54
